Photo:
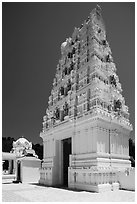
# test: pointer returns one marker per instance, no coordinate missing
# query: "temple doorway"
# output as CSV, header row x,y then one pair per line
x,y
66,152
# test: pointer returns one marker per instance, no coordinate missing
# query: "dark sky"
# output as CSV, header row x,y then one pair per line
x,y
31,37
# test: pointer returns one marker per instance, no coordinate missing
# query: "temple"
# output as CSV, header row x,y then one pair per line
x,y
23,163
86,126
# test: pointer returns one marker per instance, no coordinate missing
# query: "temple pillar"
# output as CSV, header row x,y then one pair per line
x,y
10,166
14,166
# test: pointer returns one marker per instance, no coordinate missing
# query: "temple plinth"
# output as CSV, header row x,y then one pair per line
x,y
86,127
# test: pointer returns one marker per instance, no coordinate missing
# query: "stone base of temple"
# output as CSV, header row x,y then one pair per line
x,y
97,172
79,179
96,179
93,188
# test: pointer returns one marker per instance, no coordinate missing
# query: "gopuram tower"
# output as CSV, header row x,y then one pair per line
x,y
86,127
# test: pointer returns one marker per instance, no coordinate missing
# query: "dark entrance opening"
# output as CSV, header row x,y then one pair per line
x,y
6,165
18,172
66,153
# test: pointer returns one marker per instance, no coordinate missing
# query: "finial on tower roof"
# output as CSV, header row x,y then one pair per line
x,y
98,6
98,9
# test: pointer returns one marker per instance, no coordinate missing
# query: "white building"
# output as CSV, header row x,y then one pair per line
x,y
23,162
86,127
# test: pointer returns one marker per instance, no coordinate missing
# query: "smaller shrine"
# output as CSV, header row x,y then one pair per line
x,y
23,162
22,147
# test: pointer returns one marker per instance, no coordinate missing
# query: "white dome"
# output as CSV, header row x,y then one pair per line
x,y
22,142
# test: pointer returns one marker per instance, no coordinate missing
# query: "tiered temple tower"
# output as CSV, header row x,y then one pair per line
x,y
86,127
